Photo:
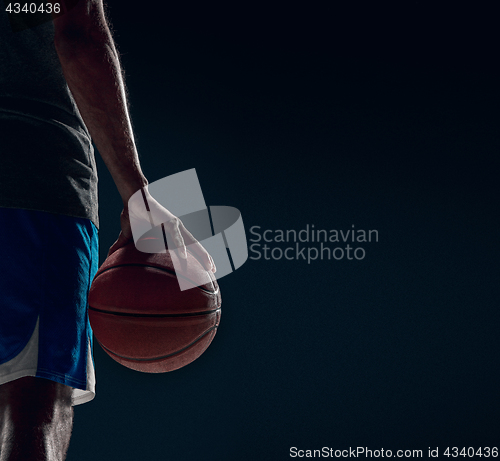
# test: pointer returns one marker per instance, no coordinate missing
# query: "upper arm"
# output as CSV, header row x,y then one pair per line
x,y
78,20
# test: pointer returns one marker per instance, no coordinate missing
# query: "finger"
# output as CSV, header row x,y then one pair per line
x,y
172,227
198,248
120,242
214,269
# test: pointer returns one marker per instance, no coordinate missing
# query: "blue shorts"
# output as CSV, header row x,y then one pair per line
x,y
47,263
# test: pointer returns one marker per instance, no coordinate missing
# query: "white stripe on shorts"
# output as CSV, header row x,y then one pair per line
x,y
26,364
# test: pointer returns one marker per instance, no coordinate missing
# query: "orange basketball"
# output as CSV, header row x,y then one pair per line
x,y
142,318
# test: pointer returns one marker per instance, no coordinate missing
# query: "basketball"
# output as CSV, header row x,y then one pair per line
x,y
142,318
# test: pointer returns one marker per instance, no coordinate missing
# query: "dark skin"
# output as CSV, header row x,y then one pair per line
x,y
36,419
36,416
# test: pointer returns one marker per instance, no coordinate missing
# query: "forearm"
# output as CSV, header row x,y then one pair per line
x,y
92,70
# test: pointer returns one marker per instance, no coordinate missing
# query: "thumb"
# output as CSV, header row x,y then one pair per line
x,y
120,242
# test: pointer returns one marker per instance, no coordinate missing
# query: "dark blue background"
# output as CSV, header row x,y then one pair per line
x,y
377,116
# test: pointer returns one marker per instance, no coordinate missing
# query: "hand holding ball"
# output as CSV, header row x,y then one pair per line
x,y
141,317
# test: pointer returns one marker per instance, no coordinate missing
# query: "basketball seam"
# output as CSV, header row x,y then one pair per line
x,y
134,359
129,314
168,271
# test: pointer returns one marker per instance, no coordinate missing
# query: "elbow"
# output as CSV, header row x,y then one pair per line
x,y
68,40
80,27
70,43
